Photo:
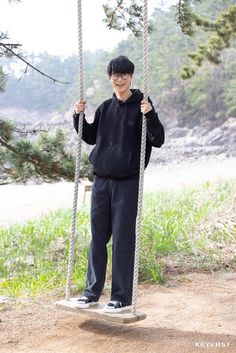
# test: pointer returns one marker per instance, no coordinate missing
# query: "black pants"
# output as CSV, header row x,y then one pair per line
x,y
113,212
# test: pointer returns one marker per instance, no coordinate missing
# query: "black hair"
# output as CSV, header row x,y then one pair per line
x,y
121,64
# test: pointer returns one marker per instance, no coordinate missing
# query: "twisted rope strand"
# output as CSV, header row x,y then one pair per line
x,y
142,161
78,156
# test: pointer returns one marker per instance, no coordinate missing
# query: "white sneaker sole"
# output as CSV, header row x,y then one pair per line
x,y
81,305
116,311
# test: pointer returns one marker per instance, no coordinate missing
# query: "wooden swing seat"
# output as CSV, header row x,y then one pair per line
x,y
95,311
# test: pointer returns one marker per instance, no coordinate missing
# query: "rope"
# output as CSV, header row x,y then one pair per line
x,y
78,155
142,160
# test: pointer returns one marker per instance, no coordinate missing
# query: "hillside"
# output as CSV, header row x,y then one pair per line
x,y
199,114
207,99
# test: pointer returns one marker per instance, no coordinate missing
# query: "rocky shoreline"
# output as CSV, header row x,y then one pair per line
x,y
181,143
184,144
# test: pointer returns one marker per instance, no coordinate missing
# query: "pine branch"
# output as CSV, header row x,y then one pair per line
x,y
125,14
48,171
6,126
225,30
185,17
24,133
46,157
111,20
13,53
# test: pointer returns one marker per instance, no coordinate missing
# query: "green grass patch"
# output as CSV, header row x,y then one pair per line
x,y
178,225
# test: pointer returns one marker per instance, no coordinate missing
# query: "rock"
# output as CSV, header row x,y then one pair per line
x,y
224,135
177,132
4,300
181,143
231,123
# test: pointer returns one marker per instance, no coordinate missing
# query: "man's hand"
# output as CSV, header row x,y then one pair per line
x,y
80,107
145,106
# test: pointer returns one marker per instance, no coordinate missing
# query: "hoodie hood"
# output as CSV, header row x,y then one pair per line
x,y
136,97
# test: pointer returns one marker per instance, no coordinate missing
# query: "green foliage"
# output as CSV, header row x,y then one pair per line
x,y
201,100
22,159
124,14
205,98
223,28
100,86
210,95
230,97
86,170
34,92
45,158
185,16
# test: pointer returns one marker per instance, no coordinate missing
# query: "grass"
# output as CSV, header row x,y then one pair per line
x,y
181,230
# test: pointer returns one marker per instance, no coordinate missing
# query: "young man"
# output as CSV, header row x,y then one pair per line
x,y
116,134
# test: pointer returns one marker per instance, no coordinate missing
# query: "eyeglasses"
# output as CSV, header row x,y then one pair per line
x,y
115,77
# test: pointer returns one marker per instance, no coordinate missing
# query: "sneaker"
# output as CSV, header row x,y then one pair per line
x,y
115,307
83,302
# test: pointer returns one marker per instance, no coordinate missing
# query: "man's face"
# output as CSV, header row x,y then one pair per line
x,y
121,82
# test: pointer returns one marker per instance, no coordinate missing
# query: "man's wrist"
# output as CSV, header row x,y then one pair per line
x,y
150,114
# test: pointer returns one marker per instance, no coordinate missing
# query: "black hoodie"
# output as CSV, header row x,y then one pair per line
x,y
116,131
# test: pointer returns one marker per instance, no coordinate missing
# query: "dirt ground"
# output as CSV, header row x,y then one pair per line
x,y
191,313
195,312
